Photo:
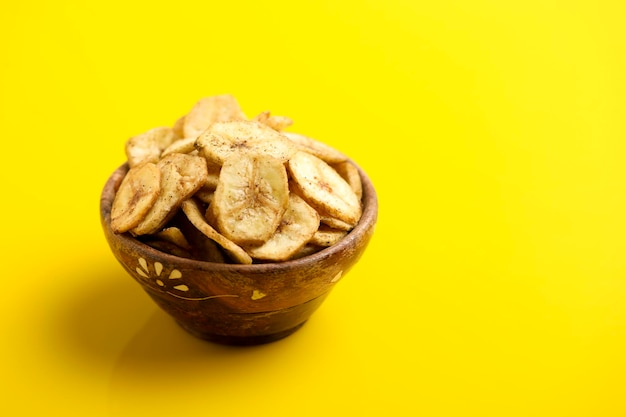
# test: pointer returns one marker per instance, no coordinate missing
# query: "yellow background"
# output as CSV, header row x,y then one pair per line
x,y
493,131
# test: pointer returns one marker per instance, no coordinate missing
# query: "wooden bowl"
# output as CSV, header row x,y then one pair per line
x,y
238,304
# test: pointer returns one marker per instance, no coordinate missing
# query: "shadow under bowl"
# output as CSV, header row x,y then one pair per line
x,y
238,304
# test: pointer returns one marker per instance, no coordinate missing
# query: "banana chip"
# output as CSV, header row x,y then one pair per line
x,y
222,140
178,127
205,194
251,197
322,187
297,227
137,193
336,223
317,148
213,176
350,173
174,235
209,110
181,176
192,210
326,236
278,123
147,147
180,146
306,250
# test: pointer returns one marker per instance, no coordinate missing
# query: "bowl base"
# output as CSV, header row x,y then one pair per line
x,y
240,340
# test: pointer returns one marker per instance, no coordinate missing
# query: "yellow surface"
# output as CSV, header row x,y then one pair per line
x,y
494,132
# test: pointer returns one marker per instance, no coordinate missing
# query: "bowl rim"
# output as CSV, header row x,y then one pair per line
x,y
363,228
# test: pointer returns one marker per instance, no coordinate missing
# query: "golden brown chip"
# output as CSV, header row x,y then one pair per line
x,y
137,193
209,110
181,176
192,210
180,146
336,223
306,250
205,194
178,127
174,235
326,236
278,123
322,187
209,216
251,197
350,173
222,140
147,147
320,149
297,227
213,176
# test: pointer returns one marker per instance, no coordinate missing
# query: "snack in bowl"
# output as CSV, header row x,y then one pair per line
x,y
234,227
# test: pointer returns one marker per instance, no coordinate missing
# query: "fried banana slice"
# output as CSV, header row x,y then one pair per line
x,y
296,228
180,146
181,176
222,140
209,110
324,152
326,236
192,210
147,147
205,195
277,123
137,193
350,173
306,250
213,177
178,127
324,189
174,235
251,198
336,223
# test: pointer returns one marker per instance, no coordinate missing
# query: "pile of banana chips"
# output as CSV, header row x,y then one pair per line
x,y
221,187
